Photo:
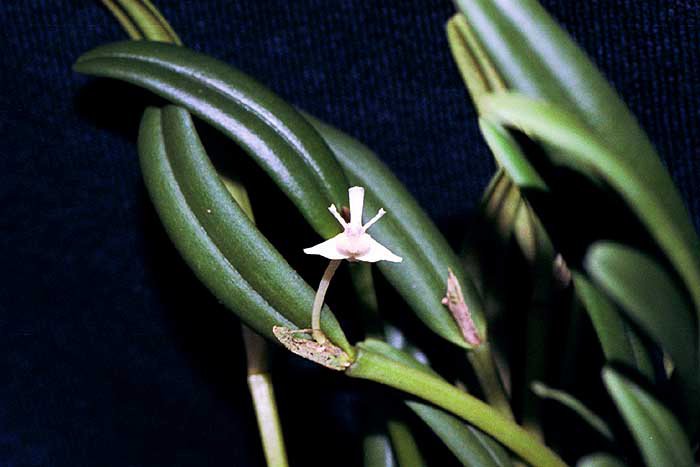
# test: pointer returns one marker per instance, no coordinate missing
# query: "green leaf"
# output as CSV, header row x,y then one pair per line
x,y
651,195
509,156
477,70
216,238
538,58
656,431
265,126
404,443
142,15
650,297
619,342
422,277
471,446
575,405
600,459
377,450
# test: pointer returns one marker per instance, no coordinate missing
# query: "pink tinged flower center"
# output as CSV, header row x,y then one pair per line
x,y
353,244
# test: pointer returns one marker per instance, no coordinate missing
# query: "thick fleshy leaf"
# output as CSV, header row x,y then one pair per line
x,y
656,431
478,71
535,56
264,125
468,444
651,196
377,450
300,163
619,342
649,296
509,156
422,277
216,238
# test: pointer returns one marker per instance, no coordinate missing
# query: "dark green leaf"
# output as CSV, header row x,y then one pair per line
x,y
651,196
422,277
268,128
216,238
650,297
538,58
619,342
656,431
509,156
469,445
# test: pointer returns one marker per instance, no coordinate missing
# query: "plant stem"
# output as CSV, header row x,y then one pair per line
x,y
261,391
318,301
484,366
374,367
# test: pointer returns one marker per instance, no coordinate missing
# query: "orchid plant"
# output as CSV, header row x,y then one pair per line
x,y
641,299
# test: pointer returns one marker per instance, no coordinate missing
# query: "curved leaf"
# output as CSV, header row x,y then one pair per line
x,y
264,125
538,58
649,296
215,236
661,212
509,156
477,70
422,277
575,405
471,446
656,431
619,342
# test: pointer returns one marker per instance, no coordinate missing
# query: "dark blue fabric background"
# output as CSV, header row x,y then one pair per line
x,y
110,352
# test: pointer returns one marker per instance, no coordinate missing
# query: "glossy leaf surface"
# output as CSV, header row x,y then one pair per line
x,y
661,212
216,238
264,125
650,297
535,56
469,445
422,277
656,431
619,342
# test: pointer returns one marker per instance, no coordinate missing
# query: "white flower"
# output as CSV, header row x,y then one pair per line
x,y
354,244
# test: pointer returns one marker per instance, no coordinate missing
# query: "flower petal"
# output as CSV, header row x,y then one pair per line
x,y
378,252
357,201
327,249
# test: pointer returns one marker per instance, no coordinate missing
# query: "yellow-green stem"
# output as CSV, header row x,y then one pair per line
x,y
375,367
261,391
484,366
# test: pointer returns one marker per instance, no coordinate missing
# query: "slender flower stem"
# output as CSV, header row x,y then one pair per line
x,y
318,301
375,367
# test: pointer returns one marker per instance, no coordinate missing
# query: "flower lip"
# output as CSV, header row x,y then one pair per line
x,y
354,243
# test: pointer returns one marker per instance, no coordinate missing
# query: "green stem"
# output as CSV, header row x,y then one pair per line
x,y
318,301
374,367
261,391
484,366
140,19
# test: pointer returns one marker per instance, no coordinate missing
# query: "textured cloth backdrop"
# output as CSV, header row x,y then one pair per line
x,y
111,352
